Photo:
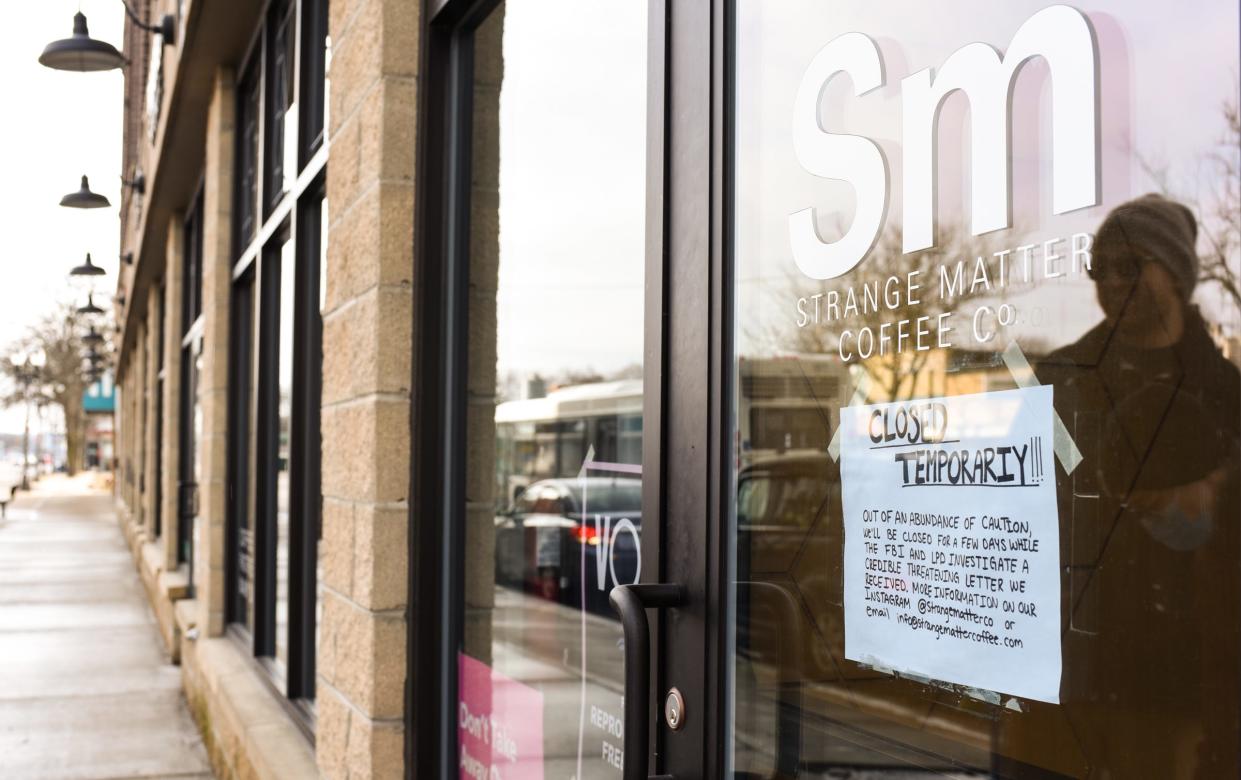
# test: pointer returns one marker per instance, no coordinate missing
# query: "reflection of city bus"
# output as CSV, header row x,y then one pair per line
x,y
786,405
547,438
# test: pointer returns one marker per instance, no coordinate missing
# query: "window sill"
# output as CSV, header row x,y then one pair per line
x,y
301,711
244,712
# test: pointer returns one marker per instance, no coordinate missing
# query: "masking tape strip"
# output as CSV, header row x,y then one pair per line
x,y
1066,449
859,397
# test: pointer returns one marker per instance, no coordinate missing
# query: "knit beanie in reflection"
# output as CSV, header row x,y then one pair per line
x,y
1158,228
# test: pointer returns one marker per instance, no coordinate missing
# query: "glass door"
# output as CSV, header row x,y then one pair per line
x,y
983,424
553,426
535,450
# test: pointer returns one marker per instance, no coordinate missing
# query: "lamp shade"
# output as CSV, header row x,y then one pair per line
x,y
81,52
90,307
84,198
87,269
92,337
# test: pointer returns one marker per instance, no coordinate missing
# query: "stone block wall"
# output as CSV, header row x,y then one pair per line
x,y
217,259
367,326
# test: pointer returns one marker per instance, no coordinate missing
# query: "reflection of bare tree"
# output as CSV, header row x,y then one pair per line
x,y
1217,205
1222,218
895,373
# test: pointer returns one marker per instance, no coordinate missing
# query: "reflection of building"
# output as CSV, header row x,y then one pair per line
x,y
99,405
941,372
785,404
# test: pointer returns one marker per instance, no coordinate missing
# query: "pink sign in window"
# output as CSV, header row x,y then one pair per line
x,y
499,725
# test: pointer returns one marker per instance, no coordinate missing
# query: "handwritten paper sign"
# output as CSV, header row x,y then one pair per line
x,y
499,725
952,551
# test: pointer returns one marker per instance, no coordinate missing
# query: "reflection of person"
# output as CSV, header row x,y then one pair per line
x,y
1150,517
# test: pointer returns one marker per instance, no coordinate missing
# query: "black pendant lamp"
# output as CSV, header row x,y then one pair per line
x,y
87,269
81,52
84,198
90,307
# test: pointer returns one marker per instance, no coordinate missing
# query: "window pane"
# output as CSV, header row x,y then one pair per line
x,y
314,57
553,488
242,444
192,266
281,116
288,275
248,156
1017,223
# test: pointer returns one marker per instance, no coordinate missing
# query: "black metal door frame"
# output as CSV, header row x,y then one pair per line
x,y
685,447
692,641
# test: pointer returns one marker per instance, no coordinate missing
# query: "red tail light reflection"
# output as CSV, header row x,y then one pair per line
x,y
586,534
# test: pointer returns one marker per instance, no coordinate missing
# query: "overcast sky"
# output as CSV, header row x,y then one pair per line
x,y
58,126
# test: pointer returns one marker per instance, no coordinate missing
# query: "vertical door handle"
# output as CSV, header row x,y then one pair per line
x,y
631,602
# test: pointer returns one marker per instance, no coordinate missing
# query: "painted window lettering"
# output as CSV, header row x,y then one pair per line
x,y
1061,35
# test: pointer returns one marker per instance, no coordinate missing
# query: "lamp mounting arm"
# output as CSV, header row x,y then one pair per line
x,y
166,28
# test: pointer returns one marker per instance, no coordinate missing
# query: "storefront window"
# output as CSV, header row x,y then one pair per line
x,y
241,445
986,391
280,150
283,425
552,502
249,94
274,530
160,377
191,350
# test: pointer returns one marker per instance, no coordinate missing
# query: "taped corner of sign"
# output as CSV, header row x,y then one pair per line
x,y
861,394
1066,450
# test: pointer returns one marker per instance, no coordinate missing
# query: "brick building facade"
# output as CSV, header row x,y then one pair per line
x,y
449,321
278,695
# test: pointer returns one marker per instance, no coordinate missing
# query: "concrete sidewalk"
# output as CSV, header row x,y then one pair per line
x,y
86,689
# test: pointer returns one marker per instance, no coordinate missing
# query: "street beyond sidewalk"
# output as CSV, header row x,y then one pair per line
x,y
86,689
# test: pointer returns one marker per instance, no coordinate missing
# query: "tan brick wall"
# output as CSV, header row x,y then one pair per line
x,y
213,379
366,374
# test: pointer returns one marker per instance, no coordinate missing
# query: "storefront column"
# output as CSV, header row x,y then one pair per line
x,y
171,444
366,369
213,384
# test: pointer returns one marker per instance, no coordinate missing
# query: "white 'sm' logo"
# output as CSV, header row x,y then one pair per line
x,y
1062,36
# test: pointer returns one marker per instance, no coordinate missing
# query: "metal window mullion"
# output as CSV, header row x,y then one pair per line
x,y
273,223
